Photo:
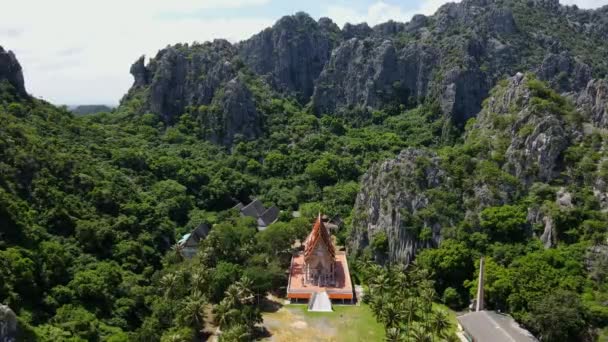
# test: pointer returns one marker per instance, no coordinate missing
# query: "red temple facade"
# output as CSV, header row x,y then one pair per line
x,y
319,267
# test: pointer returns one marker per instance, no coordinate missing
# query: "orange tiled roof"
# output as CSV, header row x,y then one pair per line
x,y
318,233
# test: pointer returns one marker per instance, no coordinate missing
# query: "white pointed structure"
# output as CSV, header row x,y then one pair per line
x,y
320,302
479,301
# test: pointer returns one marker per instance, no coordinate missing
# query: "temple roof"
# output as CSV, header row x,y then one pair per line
x,y
318,233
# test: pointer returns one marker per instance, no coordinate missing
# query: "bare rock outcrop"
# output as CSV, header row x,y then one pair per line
x,y
292,53
593,101
11,73
536,134
8,324
392,193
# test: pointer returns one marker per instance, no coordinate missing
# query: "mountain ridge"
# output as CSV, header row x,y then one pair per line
x,y
454,57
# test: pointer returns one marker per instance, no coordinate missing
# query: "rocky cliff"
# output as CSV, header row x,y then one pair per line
x,y
393,195
11,75
291,54
453,57
201,79
526,137
8,324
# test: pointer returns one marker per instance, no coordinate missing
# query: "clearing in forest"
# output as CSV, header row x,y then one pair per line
x,y
346,323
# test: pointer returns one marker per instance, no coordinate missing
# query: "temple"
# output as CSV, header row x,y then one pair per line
x,y
319,267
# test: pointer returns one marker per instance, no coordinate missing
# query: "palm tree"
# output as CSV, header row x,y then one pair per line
x,y
377,304
192,311
428,295
177,253
225,315
419,334
169,283
409,309
390,316
231,297
243,289
236,333
199,281
393,335
441,323
381,284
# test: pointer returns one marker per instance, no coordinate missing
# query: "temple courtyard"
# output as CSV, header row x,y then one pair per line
x,y
346,323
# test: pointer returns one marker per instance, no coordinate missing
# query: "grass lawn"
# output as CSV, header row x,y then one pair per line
x,y
345,323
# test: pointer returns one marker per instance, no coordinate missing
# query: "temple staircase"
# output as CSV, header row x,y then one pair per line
x,y
320,302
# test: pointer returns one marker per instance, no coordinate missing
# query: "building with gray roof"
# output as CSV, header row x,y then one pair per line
x,y
482,326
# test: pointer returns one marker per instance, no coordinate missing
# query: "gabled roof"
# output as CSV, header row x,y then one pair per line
x,y
201,231
195,236
318,233
269,216
253,209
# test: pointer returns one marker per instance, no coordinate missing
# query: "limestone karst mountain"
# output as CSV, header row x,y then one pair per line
x,y
453,57
478,131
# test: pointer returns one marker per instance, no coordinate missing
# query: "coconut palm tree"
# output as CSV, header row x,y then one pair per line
x,y
199,281
391,316
236,333
169,283
409,311
243,290
393,335
226,315
381,284
377,304
192,311
419,334
440,323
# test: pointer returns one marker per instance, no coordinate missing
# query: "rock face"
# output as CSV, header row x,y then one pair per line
x,y
519,139
238,116
593,100
537,136
371,72
10,72
292,53
453,58
8,324
183,78
390,193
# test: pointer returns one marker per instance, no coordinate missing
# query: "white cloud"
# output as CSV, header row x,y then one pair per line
x,y
585,3
80,51
75,51
381,11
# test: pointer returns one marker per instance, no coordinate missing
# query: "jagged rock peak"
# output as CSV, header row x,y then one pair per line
x,y
182,75
140,72
11,72
292,53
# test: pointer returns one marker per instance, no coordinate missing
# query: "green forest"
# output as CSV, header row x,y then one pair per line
x,y
92,207
478,132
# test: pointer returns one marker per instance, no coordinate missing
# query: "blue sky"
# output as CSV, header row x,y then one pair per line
x,y
80,51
